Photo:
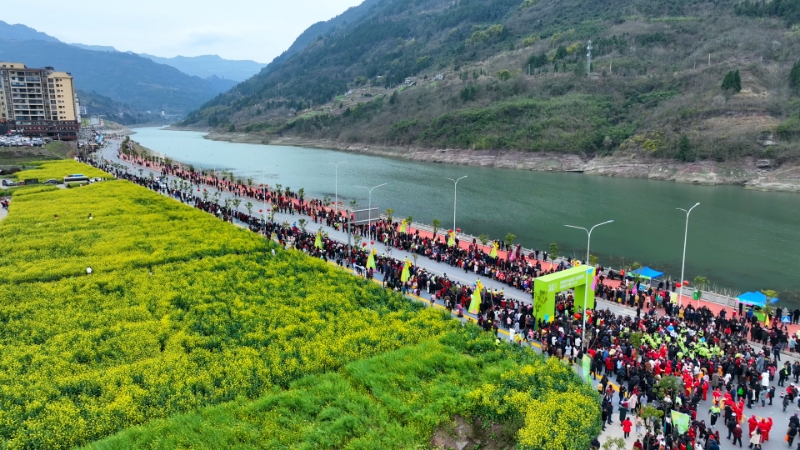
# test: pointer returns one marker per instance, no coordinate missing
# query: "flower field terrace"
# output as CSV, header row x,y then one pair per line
x,y
190,332
49,236
59,169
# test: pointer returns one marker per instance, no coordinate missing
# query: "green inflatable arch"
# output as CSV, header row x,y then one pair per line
x,y
545,289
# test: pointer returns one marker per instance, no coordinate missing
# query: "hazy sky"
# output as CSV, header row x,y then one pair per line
x,y
234,29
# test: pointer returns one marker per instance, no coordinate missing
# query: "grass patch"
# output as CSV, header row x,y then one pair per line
x,y
394,400
576,122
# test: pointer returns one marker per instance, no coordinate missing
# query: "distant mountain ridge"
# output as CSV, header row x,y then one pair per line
x,y
20,32
124,77
96,48
203,66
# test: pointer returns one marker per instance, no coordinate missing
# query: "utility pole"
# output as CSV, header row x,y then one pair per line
x,y
589,59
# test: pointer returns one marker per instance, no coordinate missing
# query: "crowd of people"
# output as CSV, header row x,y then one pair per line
x,y
666,358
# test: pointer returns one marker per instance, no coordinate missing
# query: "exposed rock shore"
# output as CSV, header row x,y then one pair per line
x,y
743,172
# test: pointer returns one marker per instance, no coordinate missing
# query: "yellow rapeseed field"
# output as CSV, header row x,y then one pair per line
x,y
59,169
183,312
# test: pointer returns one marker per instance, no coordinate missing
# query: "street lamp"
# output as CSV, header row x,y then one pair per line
x,y
369,207
587,287
336,204
683,264
455,195
265,199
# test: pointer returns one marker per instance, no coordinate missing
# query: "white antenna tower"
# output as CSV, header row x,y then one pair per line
x,y
589,59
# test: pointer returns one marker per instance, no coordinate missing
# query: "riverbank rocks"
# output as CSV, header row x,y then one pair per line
x,y
743,172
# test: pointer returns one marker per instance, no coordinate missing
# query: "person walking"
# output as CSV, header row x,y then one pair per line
x,y
714,413
731,423
737,435
755,440
626,427
791,433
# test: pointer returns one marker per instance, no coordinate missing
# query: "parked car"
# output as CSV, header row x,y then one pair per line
x,y
52,181
9,183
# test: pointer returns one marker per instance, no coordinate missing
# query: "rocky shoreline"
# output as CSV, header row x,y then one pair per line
x,y
742,172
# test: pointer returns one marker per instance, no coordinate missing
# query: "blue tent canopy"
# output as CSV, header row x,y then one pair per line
x,y
755,299
646,272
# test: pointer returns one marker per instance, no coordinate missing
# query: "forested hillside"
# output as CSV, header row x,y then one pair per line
x,y
682,79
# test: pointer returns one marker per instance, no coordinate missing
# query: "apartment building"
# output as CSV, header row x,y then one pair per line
x,y
39,102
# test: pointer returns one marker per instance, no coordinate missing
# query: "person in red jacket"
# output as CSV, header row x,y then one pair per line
x,y
765,426
752,423
626,427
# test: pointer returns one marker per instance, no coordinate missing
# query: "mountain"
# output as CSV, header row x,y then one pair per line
x,y
123,77
121,113
511,75
211,65
221,73
96,48
19,32
141,96
352,14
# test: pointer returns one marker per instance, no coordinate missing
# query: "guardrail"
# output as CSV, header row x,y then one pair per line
x,y
707,296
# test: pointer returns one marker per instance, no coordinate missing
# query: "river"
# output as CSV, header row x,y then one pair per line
x,y
740,239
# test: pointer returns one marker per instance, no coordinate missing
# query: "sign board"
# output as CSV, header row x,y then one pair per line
x,y
545,289
586,363
786,319
362,216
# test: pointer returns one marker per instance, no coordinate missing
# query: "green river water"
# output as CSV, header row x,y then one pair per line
x,y
740,239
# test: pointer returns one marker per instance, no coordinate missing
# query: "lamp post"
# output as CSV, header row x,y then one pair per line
x,y
265,199
683,263
336,203
586,288
455,195
369,207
